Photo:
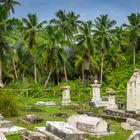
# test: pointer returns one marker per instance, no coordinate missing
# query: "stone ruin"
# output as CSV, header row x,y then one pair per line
x,y
131,124
2,137
88,124
76,128
66,95
133,92
97,100
135,135
7,127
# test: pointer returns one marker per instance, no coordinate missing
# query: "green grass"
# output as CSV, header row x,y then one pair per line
x,y
49,114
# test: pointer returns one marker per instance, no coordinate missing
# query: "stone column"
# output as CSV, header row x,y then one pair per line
x,y
66,95
111,99
96,97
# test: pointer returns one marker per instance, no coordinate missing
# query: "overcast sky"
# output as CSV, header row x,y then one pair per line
x,y
88,9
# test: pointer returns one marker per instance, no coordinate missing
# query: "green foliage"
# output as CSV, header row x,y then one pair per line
x,y
118,78
8,105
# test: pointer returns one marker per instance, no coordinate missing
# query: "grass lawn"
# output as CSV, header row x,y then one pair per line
x,y
26,106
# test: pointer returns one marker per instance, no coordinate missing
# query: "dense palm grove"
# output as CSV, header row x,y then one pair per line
x,y
64,48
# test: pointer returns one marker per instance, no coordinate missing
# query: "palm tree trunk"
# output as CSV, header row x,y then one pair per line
x,y
15,71
1,82
46,83
58,78
83,74
102,65
65,72
35,73
134,54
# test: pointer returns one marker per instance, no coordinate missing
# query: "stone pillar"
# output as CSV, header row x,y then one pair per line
x,y
66,95
133,92
111,99
96,97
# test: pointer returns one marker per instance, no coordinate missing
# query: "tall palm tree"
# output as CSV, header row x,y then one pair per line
x,y
103,28
31,27
133,32
56,55
5,48
9,5
85,46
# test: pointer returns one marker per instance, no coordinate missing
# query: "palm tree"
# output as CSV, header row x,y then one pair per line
x,y
85,46
103,28
31,27
133,32
9,5
56,55
67,22
5,48
114,57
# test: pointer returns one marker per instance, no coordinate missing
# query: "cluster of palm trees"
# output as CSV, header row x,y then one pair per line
x,y
64,48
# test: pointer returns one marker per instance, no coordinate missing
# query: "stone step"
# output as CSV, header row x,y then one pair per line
x,y
12,130
31,135
49,136
64,131
5,123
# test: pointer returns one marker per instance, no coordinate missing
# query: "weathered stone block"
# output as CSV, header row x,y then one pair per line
x,y
66,95
33,119
88,124
2,137
133,92
126,126
48,135
30,135
65,131
5,123
12,130
41,103
135,135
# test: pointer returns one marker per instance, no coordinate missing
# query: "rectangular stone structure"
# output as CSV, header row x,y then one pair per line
x,y
49,136
133,92
5,123
2,137
64,131
88,124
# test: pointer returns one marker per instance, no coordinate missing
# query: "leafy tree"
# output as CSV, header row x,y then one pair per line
x,y
31,27
9,5
103,28
67,22
56,55
85,47
133,32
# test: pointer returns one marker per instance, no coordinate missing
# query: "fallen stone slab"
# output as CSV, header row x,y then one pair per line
x,y
2,137
23,121
12,130
133,122
64,131
126,126
48,135
5,123
33,118
31,135
41,103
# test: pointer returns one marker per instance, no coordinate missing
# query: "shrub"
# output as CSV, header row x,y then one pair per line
x,y
7,104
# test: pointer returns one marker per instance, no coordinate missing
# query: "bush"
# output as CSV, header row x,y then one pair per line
x,y
7,104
